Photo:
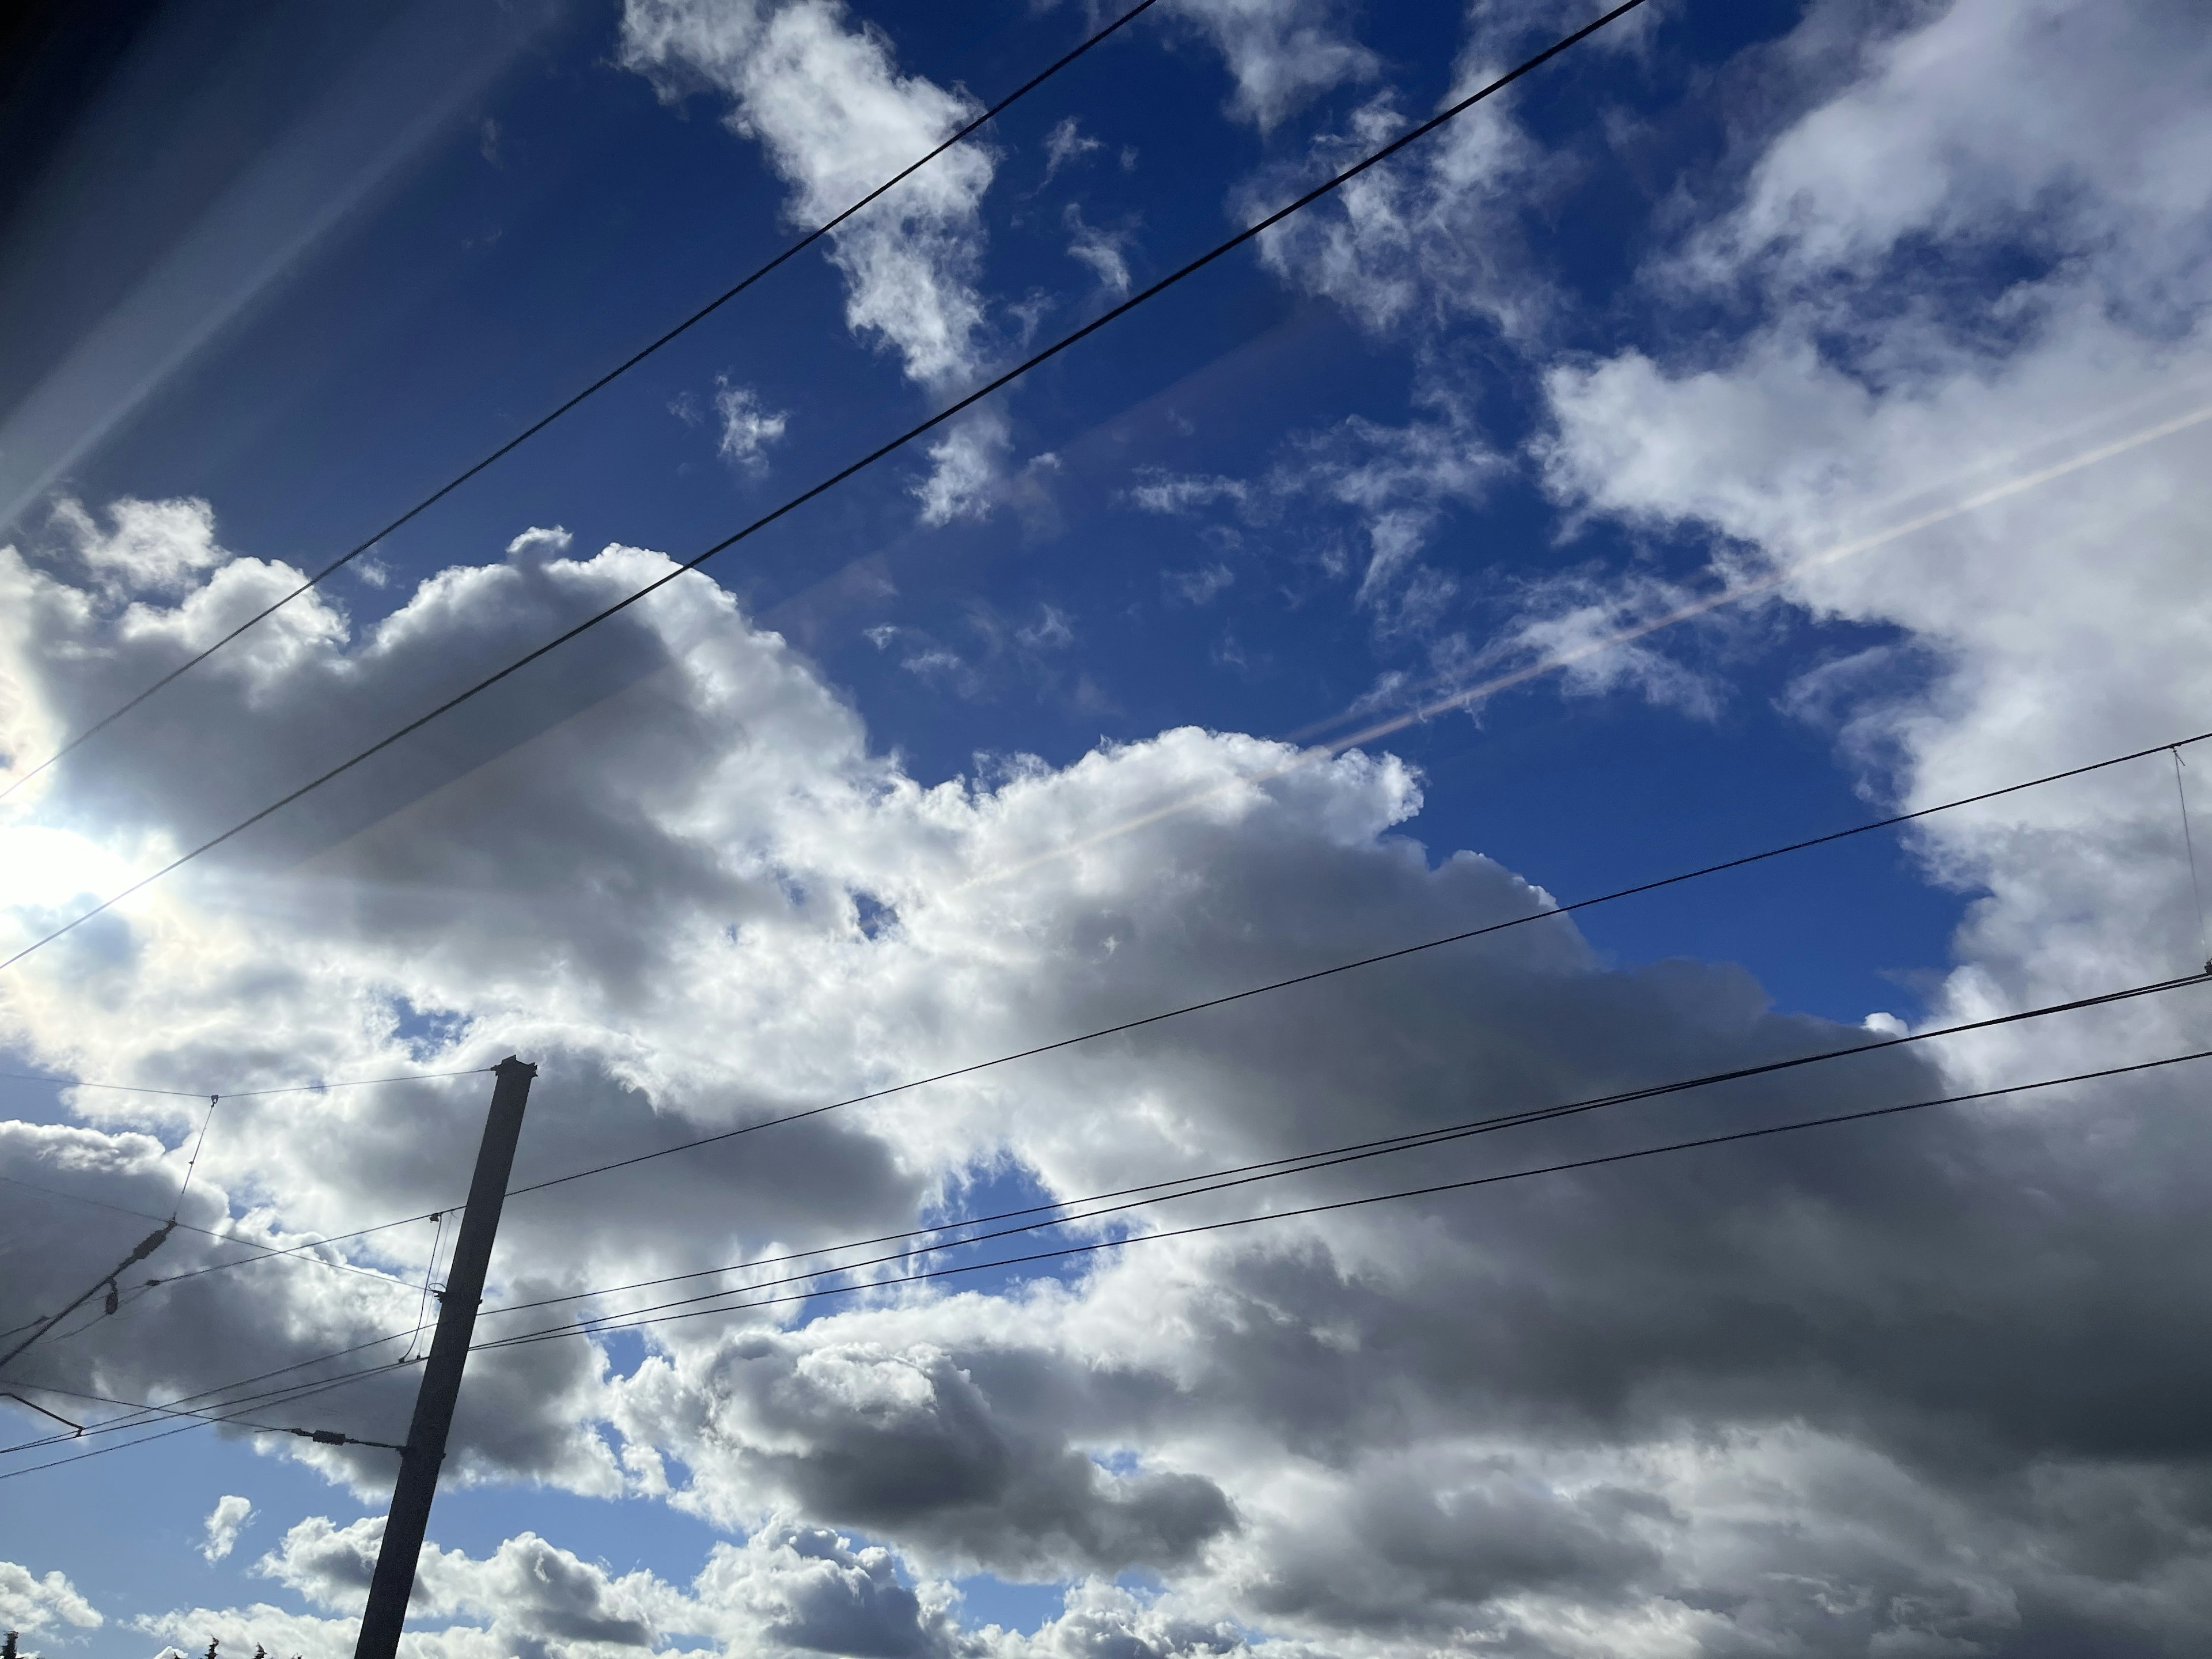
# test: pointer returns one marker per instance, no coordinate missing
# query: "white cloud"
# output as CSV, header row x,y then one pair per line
x,y
1281,53
153,545
748,427
223,1524
788,1588
967,467
1430,237
825,100
2073,136
1851,1395
1100,249
1067,143
31,1603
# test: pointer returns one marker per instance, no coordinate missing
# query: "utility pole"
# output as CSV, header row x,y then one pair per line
x,y
409,1516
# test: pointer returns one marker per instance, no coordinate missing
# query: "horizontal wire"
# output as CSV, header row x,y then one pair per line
x,y
166,1434
126,1088
605,379
1248,233
268,1252
1617,894
139,1413
1329,1158
1871,826
1100,1246
244,1094
1593,1161
283,1393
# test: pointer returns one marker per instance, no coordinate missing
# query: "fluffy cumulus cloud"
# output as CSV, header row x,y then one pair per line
x,y
1933,1387
824,98
50,1605
1716,1401
1885,447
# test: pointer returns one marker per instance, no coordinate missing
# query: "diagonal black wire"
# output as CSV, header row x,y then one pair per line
x,y
1096,1247
200,1423
138,1414
605,379
1245,235
241,1094
1870,826
1617,894
265,1251
1358,1151
1099,1246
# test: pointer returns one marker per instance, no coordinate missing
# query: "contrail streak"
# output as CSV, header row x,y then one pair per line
x,y
1462,696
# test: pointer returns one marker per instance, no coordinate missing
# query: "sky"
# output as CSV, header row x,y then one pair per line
x,y
1758,420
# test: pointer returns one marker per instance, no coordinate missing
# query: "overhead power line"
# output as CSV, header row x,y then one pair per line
x,y
596,386
242,1094
1358,1152
264,1251
138,1414
1890,823
237,1419
1893,821
622,1323
1248,233
1099,1246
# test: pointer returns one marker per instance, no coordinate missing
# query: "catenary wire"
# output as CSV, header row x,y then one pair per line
x,y
1893,821
1098,1246
1358,1152
1461,936
2189,845
1248,233
199,1145
246,1094
265,1252
600,384
224,1410
164,1434
138,1414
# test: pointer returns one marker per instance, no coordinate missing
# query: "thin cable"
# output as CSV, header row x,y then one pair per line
x,y
1247,234
139,1412
244,1094
605,379
1099,1246
1870,827
265,1252
1360,1151
186,1185
429,1267
356,1083
1271,986
2181,797
127,1445
1536,1114
226,1410
139,1252
78,1083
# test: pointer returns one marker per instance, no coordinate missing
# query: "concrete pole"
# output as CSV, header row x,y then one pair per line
x,y
410,1516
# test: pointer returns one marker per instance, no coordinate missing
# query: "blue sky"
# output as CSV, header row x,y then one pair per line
x,y
1715,293
567,215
